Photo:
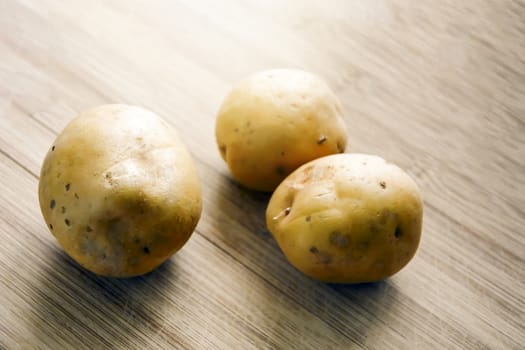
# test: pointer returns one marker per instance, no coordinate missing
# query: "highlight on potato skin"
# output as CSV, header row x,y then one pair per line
x,y
119,191
274,121
347,218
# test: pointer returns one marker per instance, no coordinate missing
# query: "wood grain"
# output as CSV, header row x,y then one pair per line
x,y
436,87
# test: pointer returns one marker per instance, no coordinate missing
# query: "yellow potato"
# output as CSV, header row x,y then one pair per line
x,y
347,218
273,122
119,191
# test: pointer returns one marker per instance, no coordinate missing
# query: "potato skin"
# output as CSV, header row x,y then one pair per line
x,y
119,191
347,218
273,122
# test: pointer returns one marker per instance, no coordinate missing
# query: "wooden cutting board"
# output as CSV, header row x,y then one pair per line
x,y
437,87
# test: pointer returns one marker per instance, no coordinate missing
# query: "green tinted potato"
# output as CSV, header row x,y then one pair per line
x,y
119,191
347,218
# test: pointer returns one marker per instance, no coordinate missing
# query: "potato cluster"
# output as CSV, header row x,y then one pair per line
x,y
120,192
341,218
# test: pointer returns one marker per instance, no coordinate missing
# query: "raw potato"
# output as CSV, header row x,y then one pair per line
x,y
347,218
119,191
275,121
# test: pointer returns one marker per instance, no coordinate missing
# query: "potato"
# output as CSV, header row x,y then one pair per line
x,y
347,218
273,122
119,191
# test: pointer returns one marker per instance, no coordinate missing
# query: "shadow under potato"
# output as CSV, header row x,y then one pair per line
x,y
354,310
373,303
83,310
243,206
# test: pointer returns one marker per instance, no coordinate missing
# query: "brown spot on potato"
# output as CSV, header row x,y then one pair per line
x,y
322,257
52,148
68,186
51,226
146,250
222,149
280,170
398,233
63,210
382,184
287,211
68,223
89,229
52,204
322,139
308,218
339,240
109,177
76,196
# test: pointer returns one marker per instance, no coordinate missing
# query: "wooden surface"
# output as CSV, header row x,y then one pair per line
x,y
437,87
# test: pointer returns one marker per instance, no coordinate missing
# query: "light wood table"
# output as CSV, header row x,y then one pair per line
x,y
437,87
